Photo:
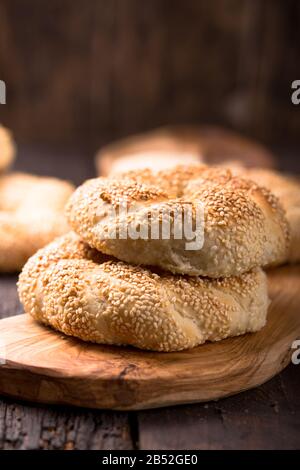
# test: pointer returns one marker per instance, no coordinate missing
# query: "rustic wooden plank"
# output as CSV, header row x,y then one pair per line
x,y
34,427
264,418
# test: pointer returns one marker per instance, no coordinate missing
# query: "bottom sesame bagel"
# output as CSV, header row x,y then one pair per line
x,y
83,293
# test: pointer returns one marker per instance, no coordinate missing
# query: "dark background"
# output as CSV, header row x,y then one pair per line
x,y
81,73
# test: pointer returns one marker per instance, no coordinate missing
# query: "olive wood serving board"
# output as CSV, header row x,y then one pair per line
x,y
41,365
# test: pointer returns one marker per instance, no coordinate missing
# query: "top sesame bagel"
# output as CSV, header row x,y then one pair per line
x,y
7,148
243,224
31,215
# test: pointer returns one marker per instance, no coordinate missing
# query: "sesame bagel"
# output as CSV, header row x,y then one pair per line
x,y
243,225
31,215
169,146
83,293
287,189
7,148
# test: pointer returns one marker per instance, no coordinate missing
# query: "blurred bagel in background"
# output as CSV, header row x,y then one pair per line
x,y
7,148
169,146
31,215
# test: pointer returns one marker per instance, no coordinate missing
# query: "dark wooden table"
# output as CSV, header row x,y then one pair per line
x,y
265,418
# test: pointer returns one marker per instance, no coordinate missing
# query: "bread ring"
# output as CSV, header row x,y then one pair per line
x,y
287,189
85,294
31,215
244,225
7,148
173,145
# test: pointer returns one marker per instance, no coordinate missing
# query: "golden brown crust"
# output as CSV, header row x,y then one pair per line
x,y
7,148
244,225
31,215
85,294
287,189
